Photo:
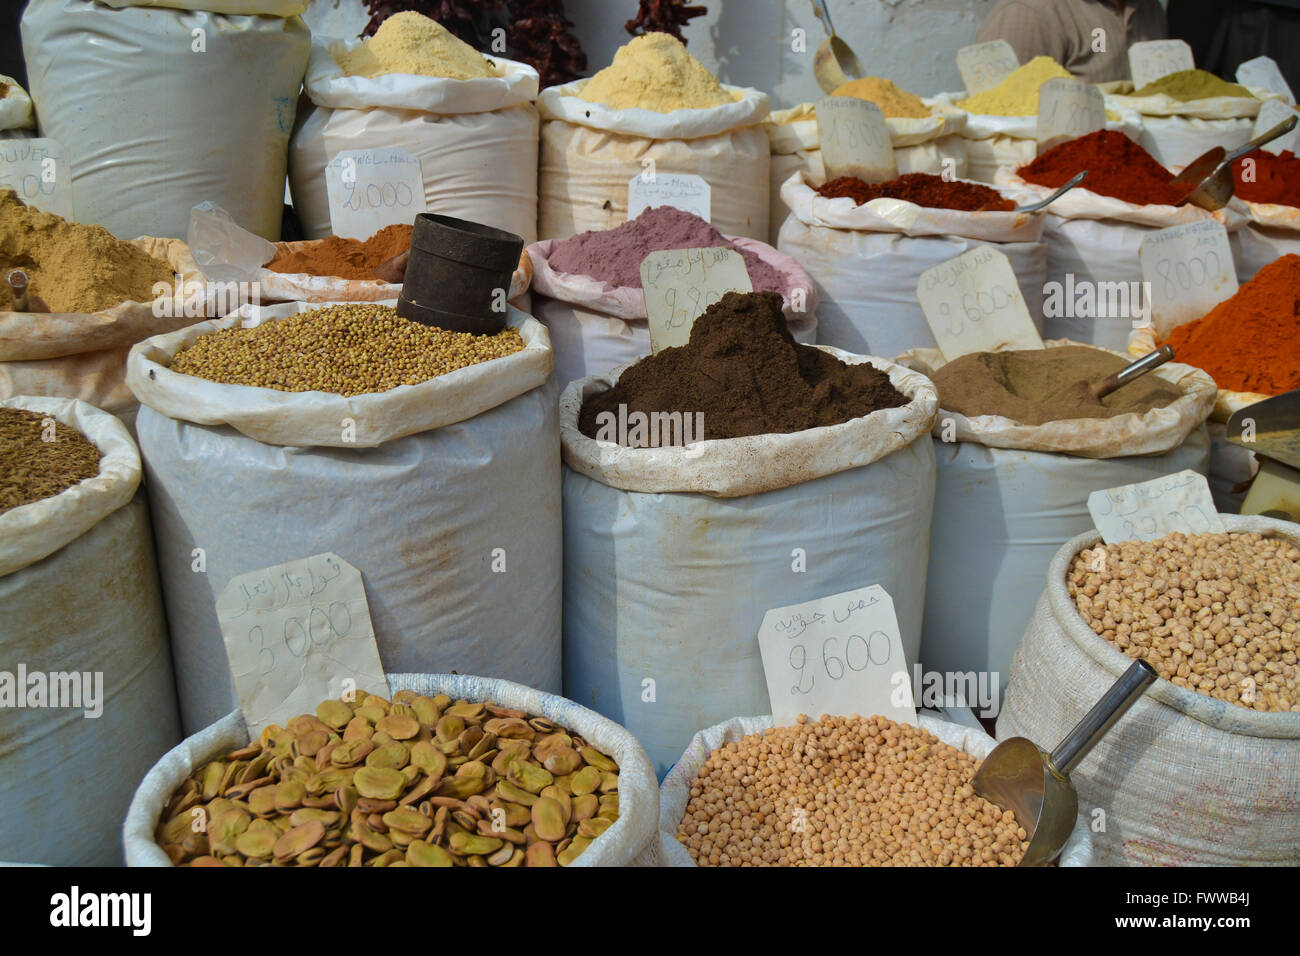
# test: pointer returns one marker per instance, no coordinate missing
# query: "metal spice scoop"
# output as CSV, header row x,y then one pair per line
x,y
1208,178
834,61
1035,785
24,299
1035,206
1133,371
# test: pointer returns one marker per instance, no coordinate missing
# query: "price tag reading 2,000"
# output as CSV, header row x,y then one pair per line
x,y
836,655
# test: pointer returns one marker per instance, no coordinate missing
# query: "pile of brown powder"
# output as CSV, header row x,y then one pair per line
x,y
32,468
746,374
344,258
1036,386
71,266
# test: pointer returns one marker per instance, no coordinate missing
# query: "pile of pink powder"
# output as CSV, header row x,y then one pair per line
x,y
614,256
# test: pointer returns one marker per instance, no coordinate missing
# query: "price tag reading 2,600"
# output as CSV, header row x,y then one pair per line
x,y
973,303
836,655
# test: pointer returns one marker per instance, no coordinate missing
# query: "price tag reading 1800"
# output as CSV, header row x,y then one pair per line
x,y
1068,109
369,189
837,655
973,304
1190,271
855,140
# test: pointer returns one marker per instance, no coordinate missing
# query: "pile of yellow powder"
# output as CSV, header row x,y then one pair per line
x,y
410,42
72,267
654,72
1188,85
1017,95
895,102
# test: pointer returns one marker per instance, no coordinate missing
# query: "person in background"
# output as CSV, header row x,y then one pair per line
x,y
1225,33
1067,31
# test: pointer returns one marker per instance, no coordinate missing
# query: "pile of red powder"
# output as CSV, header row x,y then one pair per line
x,y
614,255
1117,167
924,189
1262,177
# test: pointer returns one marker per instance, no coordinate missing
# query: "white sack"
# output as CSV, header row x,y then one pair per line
x,y
15,107
66,779
152,127
1273,232
1184,779
675,792
638,795
1175,132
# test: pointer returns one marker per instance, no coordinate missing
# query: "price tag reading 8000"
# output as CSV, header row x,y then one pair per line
x,y
1189,269
372,188
836,655
973,304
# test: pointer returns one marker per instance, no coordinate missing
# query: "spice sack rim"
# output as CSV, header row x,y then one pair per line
x,y
899,216
29,336
1207,108
795,129
638,789
562,102
1078,849
31,532
1153,432
628,303
328,86
312,419
15,106
1273,214
1220,714
1226,401
736,467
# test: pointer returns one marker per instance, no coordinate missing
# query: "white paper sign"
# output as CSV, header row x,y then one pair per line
x,y
372,188
684,191
1190,271
36,170
293,633
984,65
855,140
973,304
1152,59
1152,509
1068,109
680,284
838,655
1262,72
1272,112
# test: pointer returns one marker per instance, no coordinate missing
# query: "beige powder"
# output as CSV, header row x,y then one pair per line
x,y
654,72
410,42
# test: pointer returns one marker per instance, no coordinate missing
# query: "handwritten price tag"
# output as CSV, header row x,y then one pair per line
x,y
293,633
1272,112
837,655
984,65
1152,59
649,190
1153,509
36,171
973,304
680,284
369,189
855,140
1190,271
1068,109
1262,72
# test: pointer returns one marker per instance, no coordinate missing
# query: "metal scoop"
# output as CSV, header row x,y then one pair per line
x,y
1035,785
1035,206
1133,371
834,63
24,299
1209,176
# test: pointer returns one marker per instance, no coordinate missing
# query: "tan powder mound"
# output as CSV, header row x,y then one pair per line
x,y
894,101
410,42
73,267
654,72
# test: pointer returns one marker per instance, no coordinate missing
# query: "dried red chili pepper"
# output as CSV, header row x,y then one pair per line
x,y
664,16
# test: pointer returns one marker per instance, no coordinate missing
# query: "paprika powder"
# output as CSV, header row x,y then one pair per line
x,y
924,189
344,258
1117,167
1260,176
1249,343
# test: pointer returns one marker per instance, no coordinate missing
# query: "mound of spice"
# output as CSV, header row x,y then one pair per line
x,y
73,267
32,468
1117,167
1262,177
654,72
894,101
745,374
1036,386
343,349
410,42
344,258
1215,613
1189,85
1248,343
614,255
845,791
924,189
1017,95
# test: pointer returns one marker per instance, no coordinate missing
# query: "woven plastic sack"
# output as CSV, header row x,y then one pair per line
x,y
15,107
476,139
1273,232
1175,131
1183,779
675,791
590,151
638,795
79,595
